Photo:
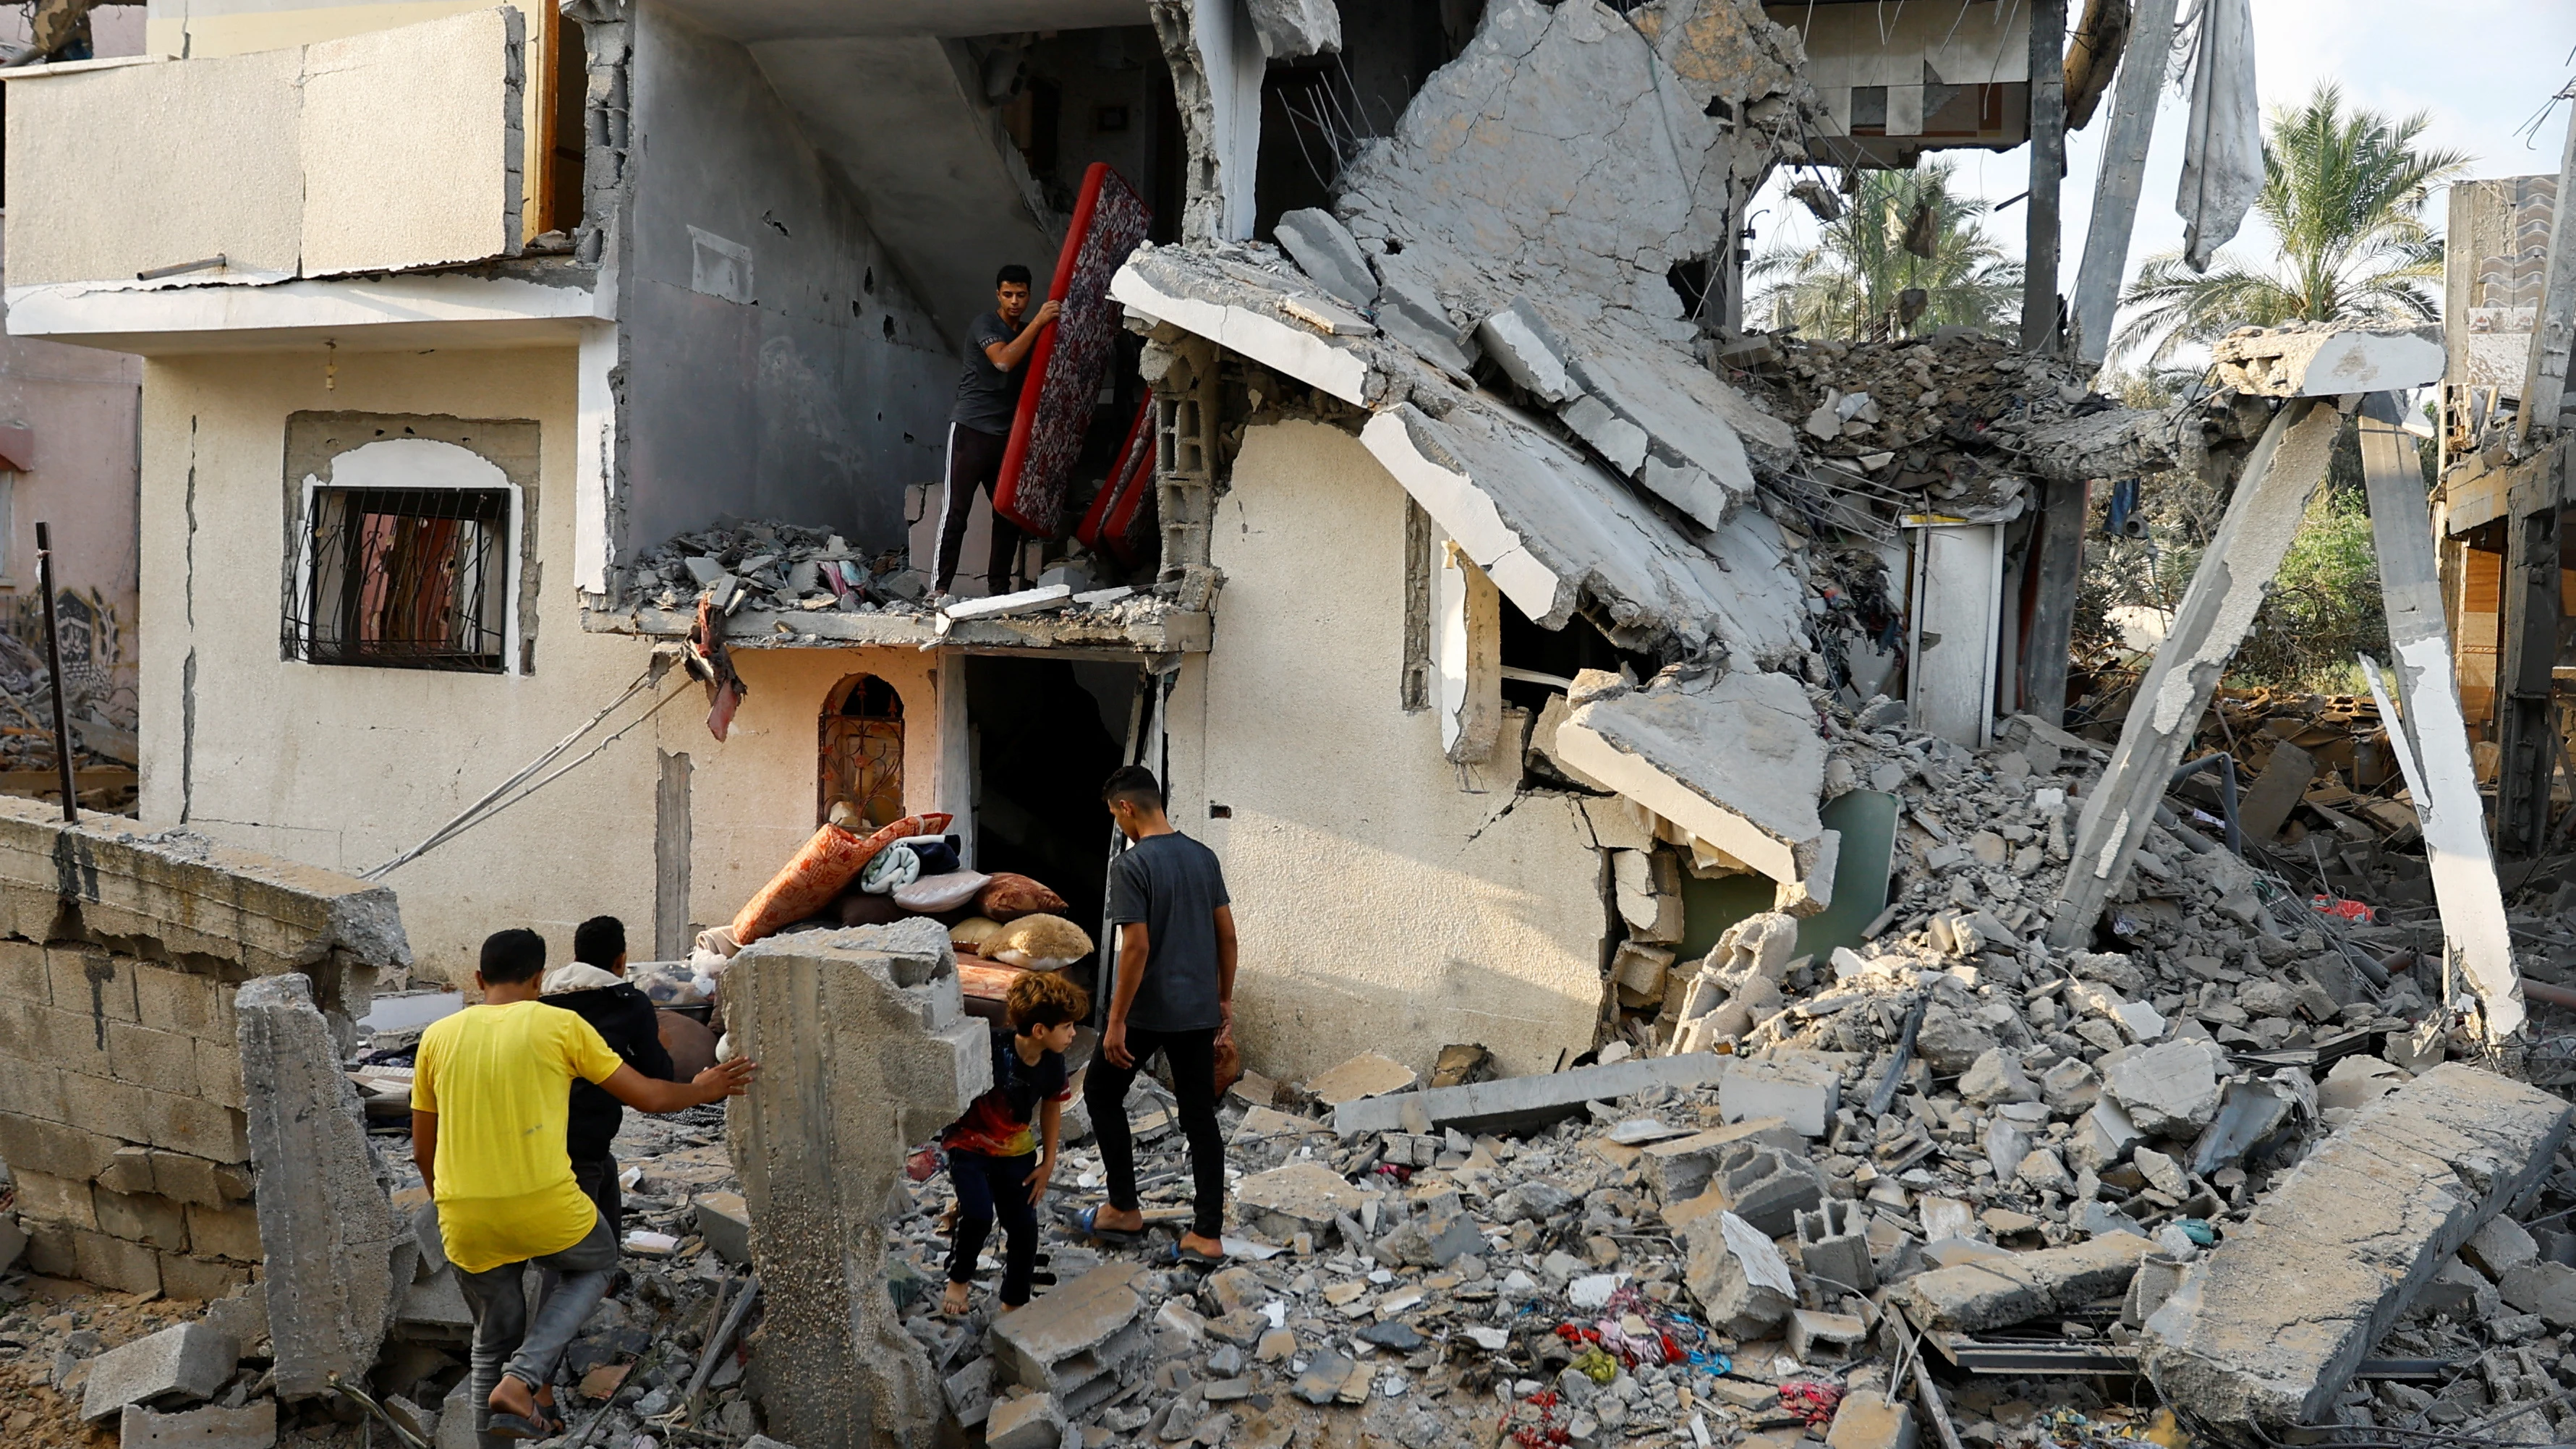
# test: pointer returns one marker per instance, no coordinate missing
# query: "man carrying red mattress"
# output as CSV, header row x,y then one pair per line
x,y
979,425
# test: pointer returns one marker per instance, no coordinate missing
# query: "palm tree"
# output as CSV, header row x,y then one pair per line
x,y
1852,281
2344,192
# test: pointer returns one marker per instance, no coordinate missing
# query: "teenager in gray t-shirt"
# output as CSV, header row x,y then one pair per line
x,y
979,424
1172,992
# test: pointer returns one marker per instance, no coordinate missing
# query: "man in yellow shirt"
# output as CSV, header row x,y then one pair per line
x,y
491,1089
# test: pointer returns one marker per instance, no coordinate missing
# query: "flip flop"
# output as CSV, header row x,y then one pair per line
x,y
1183,1253
1087,1222
513,1426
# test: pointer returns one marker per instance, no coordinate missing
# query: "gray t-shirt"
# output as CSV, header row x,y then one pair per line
x,y
986,395
1172,884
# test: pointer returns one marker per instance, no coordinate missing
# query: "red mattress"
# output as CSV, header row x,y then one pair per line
x,y
1066,366
1120,520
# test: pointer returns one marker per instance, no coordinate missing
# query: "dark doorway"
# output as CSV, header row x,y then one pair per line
x,y
1046,733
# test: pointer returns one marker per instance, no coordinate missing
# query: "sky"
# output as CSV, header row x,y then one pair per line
x,y
2481,69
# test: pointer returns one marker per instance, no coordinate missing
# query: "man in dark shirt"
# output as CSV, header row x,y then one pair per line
x,y
1175,995
593,986
979,425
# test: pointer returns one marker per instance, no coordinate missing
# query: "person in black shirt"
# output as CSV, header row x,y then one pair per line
x,y
593,987
1001,1153
979,425
1174,994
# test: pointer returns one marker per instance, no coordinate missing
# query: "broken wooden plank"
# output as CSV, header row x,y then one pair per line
x,y
2275,792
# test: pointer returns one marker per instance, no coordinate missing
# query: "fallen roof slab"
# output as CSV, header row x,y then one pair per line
x,y
1736,762
2266,1330
2011,1288
1512,1103
2327,359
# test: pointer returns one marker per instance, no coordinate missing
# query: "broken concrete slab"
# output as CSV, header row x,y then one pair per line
x,y
2361,1224
1868,1419
1998,1292
1291,29
1679,1168
1369,1074
724,1221
178,1365
327,1227
1302,1197
1530,352
2327,359
1515,1103
1761,1184
1030,1421
2169,1089
252,1426
1736,762
1324,249
1741,1281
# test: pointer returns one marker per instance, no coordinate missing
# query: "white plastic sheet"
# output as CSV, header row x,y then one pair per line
x,y
2222,159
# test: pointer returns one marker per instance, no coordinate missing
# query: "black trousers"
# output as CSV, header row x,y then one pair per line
x,y
1192,1055
974,461
598,1180
990,1187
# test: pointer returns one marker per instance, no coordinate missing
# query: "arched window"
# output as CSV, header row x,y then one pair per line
x,y
863,750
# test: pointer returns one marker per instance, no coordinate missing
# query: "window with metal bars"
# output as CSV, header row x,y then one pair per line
x,y
404,578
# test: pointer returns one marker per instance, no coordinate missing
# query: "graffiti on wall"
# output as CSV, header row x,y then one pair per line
x,y
97,675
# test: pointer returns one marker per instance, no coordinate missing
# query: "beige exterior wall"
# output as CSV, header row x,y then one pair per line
x,y
1380,906
347,767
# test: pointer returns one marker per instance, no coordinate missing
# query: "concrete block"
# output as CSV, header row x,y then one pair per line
x,y
31,1089
1515,1103
13,1242
45,1198
1998,1292
243,1315
219,1074
1679,1168
142,1218
1324,249
1825,1338
970,1391
129,1169
118,1263
90,983
2364,1221
1833,1247
1300,1197
1868,1419
178,1176
725,1223
1760,1184
851,1075
1802,1093
1293,28
2499,1247
325,1226
1741,1281
1030,1421
168,999
183,1364
50,1250
1530,352
2322,359
22,973
1736,762
201,1280
1065,1339
252,1426
224,1232
2548,1289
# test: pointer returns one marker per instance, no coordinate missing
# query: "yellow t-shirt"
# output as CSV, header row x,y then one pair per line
x,y
499,1079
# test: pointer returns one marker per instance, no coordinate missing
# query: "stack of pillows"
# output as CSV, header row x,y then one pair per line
x,y
999,917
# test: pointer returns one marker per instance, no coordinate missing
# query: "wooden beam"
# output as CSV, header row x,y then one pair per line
x,y
2047,167
2553,326
2052,621
2124,173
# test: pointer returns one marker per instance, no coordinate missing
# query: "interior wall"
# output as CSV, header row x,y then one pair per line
x,y
814,394
1381,907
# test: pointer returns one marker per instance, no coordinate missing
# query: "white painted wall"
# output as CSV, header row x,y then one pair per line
x,y
1381,907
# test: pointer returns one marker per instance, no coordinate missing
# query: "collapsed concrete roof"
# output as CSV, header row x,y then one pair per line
x,y
1736,762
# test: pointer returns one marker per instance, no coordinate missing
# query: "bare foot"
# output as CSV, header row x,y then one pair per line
x,y
510,1396
1198,1244
1009,1308
1119,1220
953,1302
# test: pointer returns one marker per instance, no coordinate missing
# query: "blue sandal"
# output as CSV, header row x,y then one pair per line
x,y
1088,1222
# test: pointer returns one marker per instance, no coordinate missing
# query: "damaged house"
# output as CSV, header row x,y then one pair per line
x,y
1474,585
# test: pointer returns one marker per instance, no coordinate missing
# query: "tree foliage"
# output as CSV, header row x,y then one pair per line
x,y
1850,282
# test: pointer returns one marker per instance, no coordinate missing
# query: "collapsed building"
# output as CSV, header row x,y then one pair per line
x,y
1633,741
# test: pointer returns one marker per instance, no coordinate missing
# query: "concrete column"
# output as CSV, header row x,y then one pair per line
x,y
326,1225
2124,171
865,1052
2524,666
2052,623
2286,467
2047,168
2431,737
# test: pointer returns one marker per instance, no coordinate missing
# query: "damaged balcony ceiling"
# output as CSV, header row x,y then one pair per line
x,y
749,21
1734,761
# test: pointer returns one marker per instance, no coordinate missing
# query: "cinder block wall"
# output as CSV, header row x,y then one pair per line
x,y
121,1099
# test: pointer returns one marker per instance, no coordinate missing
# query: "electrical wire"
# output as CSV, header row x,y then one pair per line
x,y
484,809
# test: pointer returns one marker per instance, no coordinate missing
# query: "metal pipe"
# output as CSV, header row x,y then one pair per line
x,y
54,667
2227,791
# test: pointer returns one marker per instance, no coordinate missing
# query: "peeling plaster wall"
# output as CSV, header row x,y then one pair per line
x,y
797,402
346,767
1381,907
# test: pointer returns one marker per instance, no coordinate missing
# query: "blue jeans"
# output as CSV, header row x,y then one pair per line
x,y
988,1187
507,1340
